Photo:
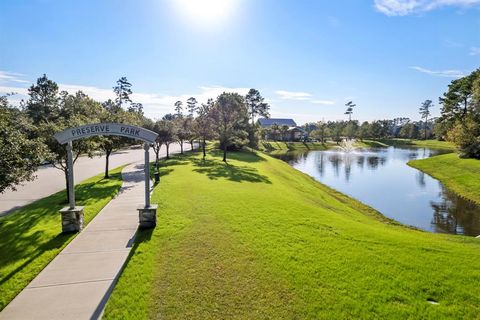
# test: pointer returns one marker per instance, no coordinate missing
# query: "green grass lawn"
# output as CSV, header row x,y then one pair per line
x,y
462,176
31,236
256,239
434,144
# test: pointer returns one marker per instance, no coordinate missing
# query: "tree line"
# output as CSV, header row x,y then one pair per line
x,y
377,129
459,121
26,132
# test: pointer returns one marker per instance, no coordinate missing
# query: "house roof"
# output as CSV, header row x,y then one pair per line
x,y
281,122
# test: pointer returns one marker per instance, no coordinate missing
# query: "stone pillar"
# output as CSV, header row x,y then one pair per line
x,y
147,217
72,219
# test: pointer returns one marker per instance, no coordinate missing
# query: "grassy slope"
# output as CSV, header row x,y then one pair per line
x,y
279,147
258,240
459,175
31,236
435,144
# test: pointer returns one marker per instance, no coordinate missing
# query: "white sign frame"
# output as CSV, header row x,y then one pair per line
x,y
105,129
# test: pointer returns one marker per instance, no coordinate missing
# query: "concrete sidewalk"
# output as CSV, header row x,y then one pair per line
x,y
78,282
50,180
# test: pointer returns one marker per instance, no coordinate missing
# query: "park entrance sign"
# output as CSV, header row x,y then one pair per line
x,y
72,216
106,129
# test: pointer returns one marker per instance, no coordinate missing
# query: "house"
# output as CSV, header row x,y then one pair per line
x,y
293,133
267,123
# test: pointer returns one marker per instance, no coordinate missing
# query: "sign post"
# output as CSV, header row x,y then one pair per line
x,y
147,214
71,184
72,216
147,175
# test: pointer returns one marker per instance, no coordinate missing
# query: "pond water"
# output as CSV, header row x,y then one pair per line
x,y
382,179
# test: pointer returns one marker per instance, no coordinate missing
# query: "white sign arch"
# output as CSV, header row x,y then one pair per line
x,y
106,129
109,129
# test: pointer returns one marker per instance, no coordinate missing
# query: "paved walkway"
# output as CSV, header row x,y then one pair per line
x,y
78,282
50,180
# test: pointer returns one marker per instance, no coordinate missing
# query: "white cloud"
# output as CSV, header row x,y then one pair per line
x,y
405,7
475,51
302,96
6,76
440,73
291,95
155,104
325,102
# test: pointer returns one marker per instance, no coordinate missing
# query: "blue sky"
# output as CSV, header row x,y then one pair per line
x,y
307,57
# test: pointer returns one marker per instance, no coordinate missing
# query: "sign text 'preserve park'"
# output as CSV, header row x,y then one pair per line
x,y
107,129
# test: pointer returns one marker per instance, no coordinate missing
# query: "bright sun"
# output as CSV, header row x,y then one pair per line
x,y
206,12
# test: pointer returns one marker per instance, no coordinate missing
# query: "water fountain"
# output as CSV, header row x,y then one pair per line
x,y
347,145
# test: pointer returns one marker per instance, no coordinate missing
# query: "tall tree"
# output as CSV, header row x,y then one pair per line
x,y
178,108
231,117
351,129
43,102
350,105
166,134
53,112
461,114
114,112
75,110
203,124
109,144
190,130
256,105
191,106
456,101
20,154
122,91
319,133
424,111
364,130
181,129
136,108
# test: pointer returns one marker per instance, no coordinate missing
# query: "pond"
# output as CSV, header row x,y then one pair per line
x,y
381,178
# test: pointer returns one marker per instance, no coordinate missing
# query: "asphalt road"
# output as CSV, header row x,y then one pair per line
x,y
50,180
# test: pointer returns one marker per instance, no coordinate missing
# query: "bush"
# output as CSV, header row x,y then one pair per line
x,y
466,136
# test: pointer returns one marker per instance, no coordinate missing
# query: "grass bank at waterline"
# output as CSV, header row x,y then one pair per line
x,y
256,239
462,176
433,144
31,236
279,147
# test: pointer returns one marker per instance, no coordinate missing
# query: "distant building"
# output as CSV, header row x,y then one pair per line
x,y
267,123
294,132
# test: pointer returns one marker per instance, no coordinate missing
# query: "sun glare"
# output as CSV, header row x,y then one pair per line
x,y
206,12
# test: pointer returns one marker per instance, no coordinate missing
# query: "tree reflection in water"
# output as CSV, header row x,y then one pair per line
x,y
454,214
381,178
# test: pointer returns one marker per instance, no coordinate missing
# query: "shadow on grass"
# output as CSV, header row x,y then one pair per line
x,y
54,243
165,166
247,155
31,231
215,169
